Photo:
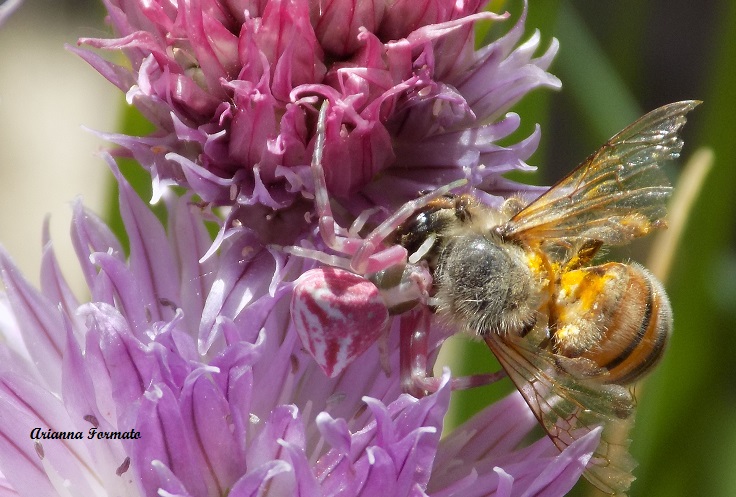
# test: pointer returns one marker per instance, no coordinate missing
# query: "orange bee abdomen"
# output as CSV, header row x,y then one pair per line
x,y
616,315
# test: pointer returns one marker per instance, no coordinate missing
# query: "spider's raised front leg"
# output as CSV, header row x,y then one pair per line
x,y
343,308
369,254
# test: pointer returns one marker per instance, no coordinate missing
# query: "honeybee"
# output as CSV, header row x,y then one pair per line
x,y
572,337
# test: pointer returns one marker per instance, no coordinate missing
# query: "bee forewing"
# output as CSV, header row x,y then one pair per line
x,y
568,406
617,194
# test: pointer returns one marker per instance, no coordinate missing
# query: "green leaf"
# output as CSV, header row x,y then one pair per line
x,y
599,93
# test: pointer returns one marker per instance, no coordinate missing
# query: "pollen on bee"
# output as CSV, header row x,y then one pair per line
x,y
567,332
573,279
536,263
637,223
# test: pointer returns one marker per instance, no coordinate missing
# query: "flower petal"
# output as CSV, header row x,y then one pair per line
x,y
254,483
405,433
340,21
151,260
190,240
244,276
287,39
306,483
53,284
90,235
24,406
208,419
168,440
490,434
559,477
128,363
7,8
43,327
283,425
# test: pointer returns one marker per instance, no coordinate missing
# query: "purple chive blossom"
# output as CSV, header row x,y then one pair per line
x,y
233,87
198,360
202,360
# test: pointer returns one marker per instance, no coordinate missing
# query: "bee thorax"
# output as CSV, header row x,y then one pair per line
x,y
484,287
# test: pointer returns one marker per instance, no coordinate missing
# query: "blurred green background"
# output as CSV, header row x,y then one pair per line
x,y
619,59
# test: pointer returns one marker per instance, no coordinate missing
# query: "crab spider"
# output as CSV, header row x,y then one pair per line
x,y
342,308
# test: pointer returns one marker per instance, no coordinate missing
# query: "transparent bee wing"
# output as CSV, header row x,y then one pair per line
x,y
568,405
617,194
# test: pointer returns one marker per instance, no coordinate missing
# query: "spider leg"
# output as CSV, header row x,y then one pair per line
x,y
367,255
413,354
413,338
360,221
328,227
375,238
317,255
326,219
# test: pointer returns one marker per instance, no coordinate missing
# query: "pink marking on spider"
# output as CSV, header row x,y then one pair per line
x,y
338,316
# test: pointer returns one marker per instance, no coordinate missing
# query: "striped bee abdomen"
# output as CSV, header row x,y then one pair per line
x,y
616,315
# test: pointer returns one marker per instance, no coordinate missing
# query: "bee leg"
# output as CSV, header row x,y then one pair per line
x,y
477,380
584,255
